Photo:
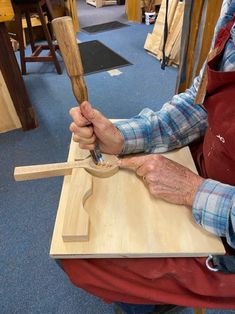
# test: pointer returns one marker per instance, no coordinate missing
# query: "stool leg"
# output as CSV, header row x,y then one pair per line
x,y
48,38
50,16
18,21
31,38
50,10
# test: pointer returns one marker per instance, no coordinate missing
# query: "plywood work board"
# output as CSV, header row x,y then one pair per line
x,y
125,221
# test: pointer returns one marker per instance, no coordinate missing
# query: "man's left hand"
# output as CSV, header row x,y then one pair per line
x,y
165,178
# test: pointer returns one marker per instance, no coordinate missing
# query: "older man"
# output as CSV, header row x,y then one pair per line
x,y
210,130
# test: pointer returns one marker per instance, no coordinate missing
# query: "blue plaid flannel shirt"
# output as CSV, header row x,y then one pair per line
x,y
177,124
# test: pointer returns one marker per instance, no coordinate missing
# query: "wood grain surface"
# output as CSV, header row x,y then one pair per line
x,y
8,118
6,11
14,82
125,221
107,169
66,38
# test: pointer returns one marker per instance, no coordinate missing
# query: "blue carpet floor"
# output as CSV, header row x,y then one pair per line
x,y
31,282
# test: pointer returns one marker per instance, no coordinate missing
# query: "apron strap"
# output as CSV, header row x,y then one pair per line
x,y
220,42
225,264
200,96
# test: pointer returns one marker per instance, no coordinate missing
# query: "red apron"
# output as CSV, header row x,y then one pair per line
x,y
182,281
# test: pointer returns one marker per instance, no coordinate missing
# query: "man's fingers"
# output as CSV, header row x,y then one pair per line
x,y
94,116
78,118
82,140
84,115
132,163
86,146
85,132
73,127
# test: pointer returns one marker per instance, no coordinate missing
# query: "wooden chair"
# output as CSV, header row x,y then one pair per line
x,y
24,8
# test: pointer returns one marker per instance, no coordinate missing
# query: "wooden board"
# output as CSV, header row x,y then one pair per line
x,y
125,221
9,119
71,7
133,10
6,11
172,49
198,28
14,81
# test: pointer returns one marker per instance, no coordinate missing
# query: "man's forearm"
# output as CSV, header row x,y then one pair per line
x,y
174,126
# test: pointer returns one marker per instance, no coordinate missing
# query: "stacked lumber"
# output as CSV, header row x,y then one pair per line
x,y
101,3
154,41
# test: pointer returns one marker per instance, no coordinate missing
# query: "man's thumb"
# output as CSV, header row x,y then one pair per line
x,y
89,113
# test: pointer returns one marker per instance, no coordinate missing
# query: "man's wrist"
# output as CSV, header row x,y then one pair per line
x,y
212,205
119,141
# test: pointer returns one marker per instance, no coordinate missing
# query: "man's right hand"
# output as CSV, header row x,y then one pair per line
x,y
90,127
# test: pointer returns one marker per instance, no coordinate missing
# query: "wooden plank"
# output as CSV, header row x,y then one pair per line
x,y
76,220
152,43
125,221
43,171
14,81
175,51
213,11
71,8
194,27
74,15
134,12
8,117
172,14
173,39
153,40
108,168
6,11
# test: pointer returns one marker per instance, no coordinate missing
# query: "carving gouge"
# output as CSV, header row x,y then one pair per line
x,y
66,38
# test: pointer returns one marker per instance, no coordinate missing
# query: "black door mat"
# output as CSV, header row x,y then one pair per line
x,y
97,57
104,27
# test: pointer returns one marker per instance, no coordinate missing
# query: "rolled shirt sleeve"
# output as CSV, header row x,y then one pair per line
x,y
177,124
214,209
174,126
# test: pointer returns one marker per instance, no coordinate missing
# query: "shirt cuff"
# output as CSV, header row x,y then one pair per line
x,y
212,206
135,133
